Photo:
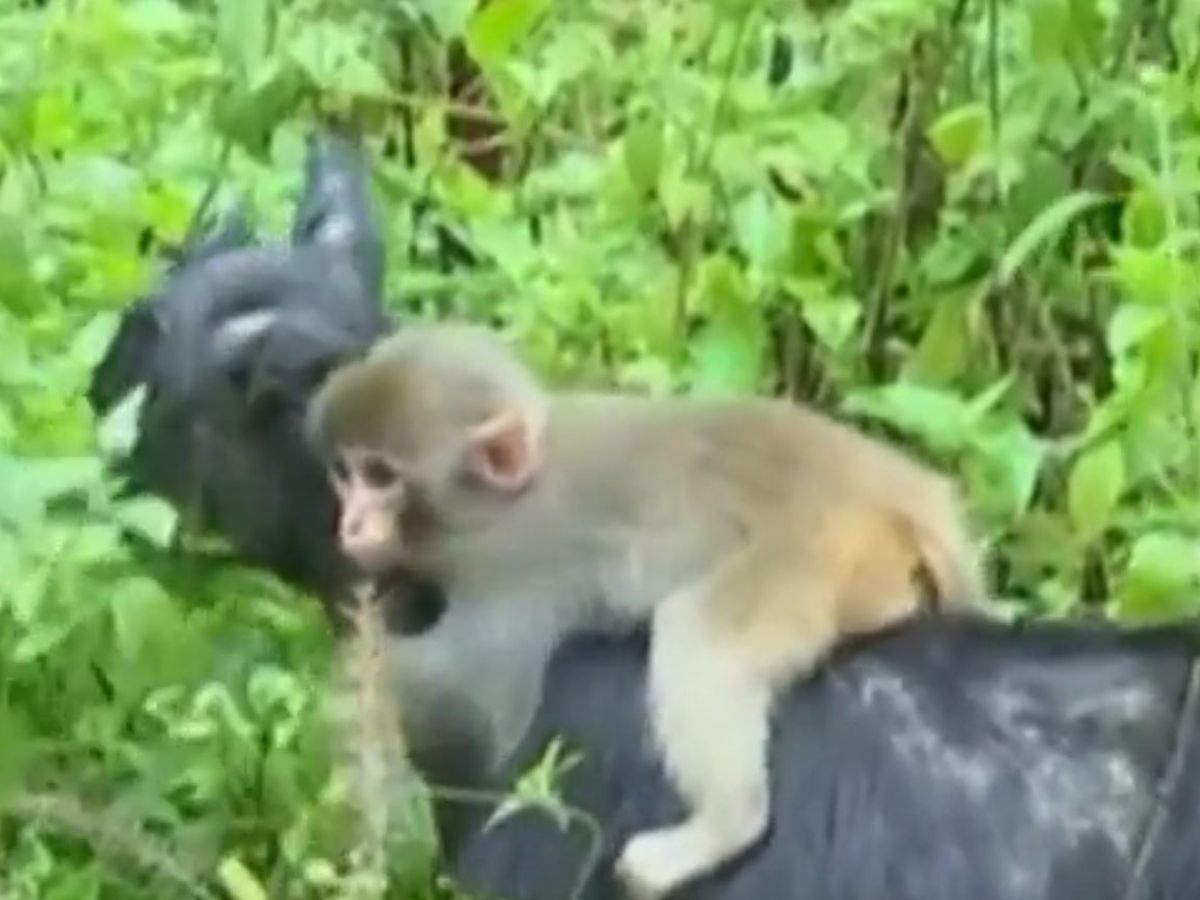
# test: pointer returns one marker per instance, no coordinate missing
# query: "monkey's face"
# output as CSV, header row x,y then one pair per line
x,y
428,445
395,510
371,494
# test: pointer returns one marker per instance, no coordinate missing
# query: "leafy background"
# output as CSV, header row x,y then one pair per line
x,y
967,224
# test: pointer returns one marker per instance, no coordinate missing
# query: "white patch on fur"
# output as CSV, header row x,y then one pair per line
x,y
238,330
1072,793
336,230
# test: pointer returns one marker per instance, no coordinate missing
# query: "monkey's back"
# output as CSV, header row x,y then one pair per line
x,y
672,457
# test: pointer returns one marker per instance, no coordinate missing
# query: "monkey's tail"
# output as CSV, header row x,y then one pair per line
x,y
951,558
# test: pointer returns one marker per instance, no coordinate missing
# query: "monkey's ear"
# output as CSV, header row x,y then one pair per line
x,y
503,452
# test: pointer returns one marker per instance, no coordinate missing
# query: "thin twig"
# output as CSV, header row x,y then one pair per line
x,y
375,740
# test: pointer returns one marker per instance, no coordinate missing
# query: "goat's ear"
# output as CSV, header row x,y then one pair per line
x,y
129,359
336,210
504,451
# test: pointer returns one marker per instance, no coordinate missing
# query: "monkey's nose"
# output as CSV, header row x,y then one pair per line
x,y
351,530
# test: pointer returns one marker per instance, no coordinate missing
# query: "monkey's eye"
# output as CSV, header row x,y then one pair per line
x,y
340,468
379,472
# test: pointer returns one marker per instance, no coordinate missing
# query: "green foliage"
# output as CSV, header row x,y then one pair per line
x,y
972,226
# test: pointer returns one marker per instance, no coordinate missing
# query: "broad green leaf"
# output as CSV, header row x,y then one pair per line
x,y
832,319
1002,466
1148,276
239,881
159,18
761,231
149,517
1048,28
571,174
727,357
823,141
958,134
1143,220
1131,324
249,114
1086,30
449,17
16,747
242,33
722,290
1161,579
49,478
1045,227
1094,487
939,416
496,28
945,347
643,146
684,197
84,883
139,609
46,634
360,77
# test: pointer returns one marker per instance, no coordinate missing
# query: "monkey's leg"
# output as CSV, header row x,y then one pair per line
x,y
718,651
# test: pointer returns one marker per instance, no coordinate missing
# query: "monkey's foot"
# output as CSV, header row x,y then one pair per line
x,y
654,863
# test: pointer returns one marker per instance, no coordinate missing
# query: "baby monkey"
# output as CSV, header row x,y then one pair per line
x,y
751,533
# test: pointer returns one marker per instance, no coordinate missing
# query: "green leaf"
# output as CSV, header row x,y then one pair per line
x,y
643,146
760,230
538,787
958,133
499,26
45,635
1130,325
1048,28
684,197
239,881
242,34
1160,578
1002,468
944,352
1148,276
939,416
152,518
1086,30
722,290
1143,220
50,478
1045,227
449,17
1094,487
823,142
832,319
727,357
140,609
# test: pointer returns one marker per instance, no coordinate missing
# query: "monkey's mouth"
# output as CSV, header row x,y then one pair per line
x,y
375,562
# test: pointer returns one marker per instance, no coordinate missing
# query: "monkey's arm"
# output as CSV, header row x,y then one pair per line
x,y
944,761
